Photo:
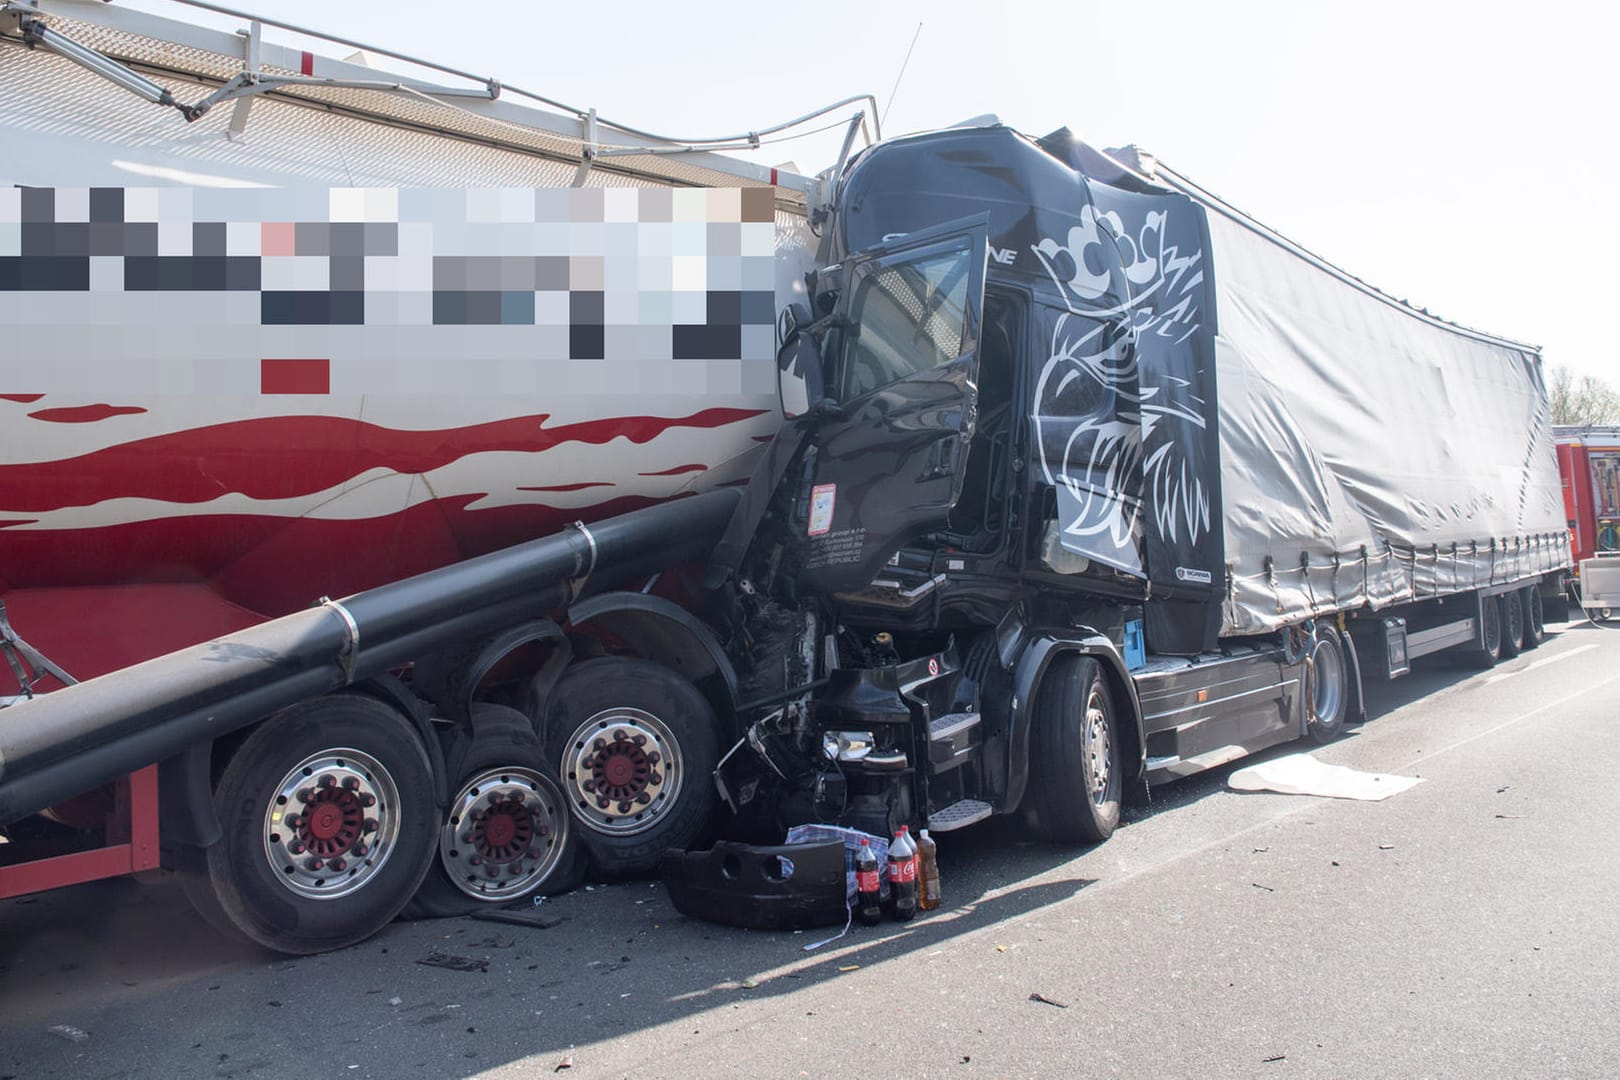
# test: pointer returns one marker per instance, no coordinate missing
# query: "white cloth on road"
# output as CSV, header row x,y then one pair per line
x,y
1302,774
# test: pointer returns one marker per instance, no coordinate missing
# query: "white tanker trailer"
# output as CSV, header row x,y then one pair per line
x,y
283,327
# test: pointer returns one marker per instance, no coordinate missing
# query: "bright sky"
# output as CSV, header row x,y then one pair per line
x,y
1457,154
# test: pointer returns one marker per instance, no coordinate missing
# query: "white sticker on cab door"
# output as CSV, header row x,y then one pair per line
x,y
822,497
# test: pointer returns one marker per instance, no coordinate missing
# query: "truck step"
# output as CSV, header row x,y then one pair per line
x,y
958,815
950,725
953,741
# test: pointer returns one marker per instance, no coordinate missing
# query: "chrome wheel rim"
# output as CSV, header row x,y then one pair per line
x,y
1492,629
1328,684
504,834
622,771
331,824
1098,747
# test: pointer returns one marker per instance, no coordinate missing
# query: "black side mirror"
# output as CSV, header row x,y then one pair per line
x,y
798,362
789,322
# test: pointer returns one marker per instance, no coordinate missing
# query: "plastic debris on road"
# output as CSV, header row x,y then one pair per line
x,y
453,963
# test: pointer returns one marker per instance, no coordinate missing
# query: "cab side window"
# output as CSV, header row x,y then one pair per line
x,y
907,317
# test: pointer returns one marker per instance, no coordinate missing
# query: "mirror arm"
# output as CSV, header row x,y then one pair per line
x,y
827,409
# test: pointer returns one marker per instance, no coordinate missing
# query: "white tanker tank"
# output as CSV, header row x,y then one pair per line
x,y
342,327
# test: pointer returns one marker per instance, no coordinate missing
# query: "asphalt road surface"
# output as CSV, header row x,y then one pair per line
x,y
1466,927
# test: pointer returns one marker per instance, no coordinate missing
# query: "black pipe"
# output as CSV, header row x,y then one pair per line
x,y
73,740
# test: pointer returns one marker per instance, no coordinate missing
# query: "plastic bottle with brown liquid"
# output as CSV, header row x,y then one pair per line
x,y
868,897
929,892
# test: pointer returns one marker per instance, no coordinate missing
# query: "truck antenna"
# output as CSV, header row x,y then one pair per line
x,y
884,119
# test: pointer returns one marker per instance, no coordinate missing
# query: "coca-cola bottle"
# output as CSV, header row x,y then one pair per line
x,y
929,892
868,886
903,875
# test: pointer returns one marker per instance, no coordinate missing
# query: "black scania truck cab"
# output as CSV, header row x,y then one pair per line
x,y
996,492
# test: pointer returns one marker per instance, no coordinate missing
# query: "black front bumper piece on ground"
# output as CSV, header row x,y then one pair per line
x,y
758,887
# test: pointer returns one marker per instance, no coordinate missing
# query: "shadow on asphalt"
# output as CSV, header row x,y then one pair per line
x,y
620,960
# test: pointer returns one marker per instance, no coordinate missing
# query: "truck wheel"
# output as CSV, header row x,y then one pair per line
x,y
1486,655
506,834
1075,771
1512,616
1535,619
636,746
1328,689
328,817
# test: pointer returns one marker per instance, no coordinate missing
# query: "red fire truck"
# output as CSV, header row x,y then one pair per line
x,y
1589,466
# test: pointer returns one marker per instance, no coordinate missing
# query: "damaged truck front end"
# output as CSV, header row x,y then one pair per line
x,y
934,574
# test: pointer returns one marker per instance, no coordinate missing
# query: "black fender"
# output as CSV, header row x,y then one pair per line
x,y
450,678
497,649
1033,656
1357,713
661,630
186,799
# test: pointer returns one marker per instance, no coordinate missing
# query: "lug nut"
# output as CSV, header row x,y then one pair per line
x,y
326,780
654,757
339,865
643,799
361,850
590,786
601,802
544,830
306,794
313,864
655,778
296,847
640,740
369,825
624,808
516,798
292,821
532,853
367,799
351,783
476,860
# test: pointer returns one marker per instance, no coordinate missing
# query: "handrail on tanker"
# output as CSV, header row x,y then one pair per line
x,y
252,82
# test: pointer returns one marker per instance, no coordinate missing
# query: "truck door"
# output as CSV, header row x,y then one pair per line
x,y
887,459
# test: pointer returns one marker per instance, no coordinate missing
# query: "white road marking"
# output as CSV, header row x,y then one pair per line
x,y
1549,707
1541,663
